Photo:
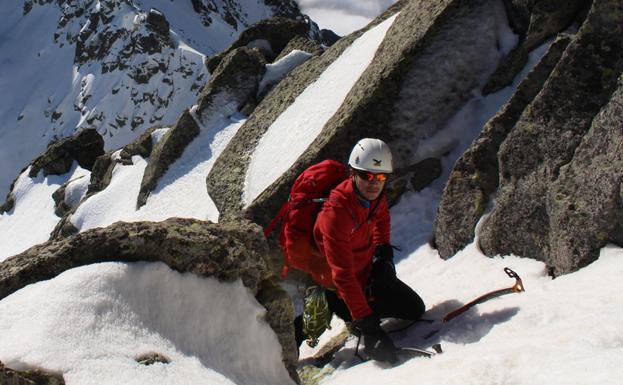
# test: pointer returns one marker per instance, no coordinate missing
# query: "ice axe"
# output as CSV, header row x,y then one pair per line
x,y
516,288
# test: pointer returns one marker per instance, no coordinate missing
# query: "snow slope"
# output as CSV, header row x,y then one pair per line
x,y
297,127
32,219
181,192
92,323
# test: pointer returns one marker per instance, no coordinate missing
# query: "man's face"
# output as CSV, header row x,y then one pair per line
x,y
369,185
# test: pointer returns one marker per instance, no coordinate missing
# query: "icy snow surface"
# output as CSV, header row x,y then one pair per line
x,y
181,192
277,70
32,219
92,323
297,127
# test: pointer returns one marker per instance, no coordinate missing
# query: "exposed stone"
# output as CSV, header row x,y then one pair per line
x,y
377,105
84,148
226,251
585,203
280,317
415,178
547,18
158,22
167,151
328,37
277,31
233,84
546,138
101,174
475,175
152,358
142,146
30,377
301,43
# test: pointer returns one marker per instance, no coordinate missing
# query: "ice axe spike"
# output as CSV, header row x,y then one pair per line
x,y
516,288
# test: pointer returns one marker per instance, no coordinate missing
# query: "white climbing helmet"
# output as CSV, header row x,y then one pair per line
x,y
371,155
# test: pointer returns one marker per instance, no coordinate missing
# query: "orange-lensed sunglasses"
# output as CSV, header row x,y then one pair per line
x,y
370,176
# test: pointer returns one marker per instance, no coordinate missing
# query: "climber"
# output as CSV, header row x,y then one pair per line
x,y
352,231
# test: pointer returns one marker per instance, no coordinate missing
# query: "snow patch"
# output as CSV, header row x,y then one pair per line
x,y
92,323
297,127
279,69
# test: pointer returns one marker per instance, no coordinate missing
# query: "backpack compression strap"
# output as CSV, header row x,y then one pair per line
x,y
280,214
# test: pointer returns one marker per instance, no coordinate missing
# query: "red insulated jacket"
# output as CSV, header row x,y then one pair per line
x,y
347,232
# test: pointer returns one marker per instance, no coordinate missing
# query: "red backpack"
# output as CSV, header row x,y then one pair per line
x,y
310,190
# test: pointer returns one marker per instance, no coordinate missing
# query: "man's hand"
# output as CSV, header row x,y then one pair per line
x,y
383,261
377,343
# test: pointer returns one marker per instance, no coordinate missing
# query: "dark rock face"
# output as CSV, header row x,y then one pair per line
x,y
170,148
535,22
158,22
302,44
83,147
328,37
546,138
227,251
233,85
280,317
415,178
475,175
31,377
585,203
277,31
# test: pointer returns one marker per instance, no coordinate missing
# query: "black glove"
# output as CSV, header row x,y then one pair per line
x,y
383,262
377,344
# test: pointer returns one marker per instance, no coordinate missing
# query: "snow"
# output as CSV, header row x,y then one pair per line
x,y
297,127
181,191
279,69
92,323
32,219
562,331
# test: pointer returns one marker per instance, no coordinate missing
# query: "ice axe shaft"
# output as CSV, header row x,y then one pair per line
x,y
516,288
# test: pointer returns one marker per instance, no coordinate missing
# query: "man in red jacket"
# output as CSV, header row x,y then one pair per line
x,y
353,232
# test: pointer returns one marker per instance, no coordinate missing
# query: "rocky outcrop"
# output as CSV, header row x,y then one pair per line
x,y
101,175
227,251
300,43
233,85
547,137
403,80
585,203
474,178
84,148
169,149
414,178
280,317
270,36
30,377
157,21
534,22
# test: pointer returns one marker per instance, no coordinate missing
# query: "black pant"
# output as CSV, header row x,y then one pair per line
x,y
387,296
